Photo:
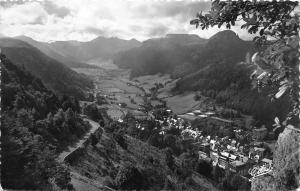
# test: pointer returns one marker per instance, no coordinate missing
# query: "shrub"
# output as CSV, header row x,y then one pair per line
x,y
129,178
109,182
94,140
119,137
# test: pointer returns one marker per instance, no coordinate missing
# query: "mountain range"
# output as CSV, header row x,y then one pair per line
x,y
207,65
76,54
182,54
100,47
47,49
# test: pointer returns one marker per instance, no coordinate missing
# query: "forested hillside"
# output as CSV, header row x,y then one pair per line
x,y
162,55
54,75
35,126
56,54
183,54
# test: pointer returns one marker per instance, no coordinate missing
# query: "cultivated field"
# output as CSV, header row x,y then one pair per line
x,y
115,83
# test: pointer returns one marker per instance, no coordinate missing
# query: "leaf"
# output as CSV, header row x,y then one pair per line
x,y
267,33
277,120
261,75
261,32
276,128
254,57
194,21
282,90
248,58
207,15
284,82
243,15
252,76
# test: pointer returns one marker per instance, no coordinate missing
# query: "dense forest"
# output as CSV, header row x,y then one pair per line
x,y
35,124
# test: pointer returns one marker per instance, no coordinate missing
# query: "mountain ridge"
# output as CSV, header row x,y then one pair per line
x,y
53,53
100,47
55,75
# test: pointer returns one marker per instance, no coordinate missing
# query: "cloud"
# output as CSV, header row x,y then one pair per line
x,y
86,19
54,9
158,30
96,31
159,9
22,14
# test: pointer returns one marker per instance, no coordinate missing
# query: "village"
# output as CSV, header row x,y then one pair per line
x,y
227,139
248,160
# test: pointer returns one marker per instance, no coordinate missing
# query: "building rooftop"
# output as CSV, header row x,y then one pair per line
x,y
237,163
261,129
267,160
226,154
190,113
259,149
197,111
233,157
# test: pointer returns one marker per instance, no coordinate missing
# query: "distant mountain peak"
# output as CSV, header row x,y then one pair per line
x,y
101,38
178,35
226,35
173,39
134,40
23,37
185,37
113,40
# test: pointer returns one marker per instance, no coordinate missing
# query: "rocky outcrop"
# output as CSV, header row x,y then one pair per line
x,y
286,159
286,164
266,183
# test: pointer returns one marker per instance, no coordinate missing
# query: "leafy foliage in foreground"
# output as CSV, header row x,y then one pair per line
x,y
278,27
35,123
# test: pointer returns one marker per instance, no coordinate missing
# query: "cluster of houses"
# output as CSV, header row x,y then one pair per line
x,y
229,154
225,152
247,160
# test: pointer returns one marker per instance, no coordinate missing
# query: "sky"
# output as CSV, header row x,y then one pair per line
x,y
84,20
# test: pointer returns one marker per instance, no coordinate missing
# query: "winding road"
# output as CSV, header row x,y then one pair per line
x,y
61,157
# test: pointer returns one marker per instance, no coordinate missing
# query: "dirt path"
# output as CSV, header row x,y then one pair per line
x,y
82,183
61,157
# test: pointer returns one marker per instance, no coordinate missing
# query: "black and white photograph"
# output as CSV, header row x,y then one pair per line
x,y
162,95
